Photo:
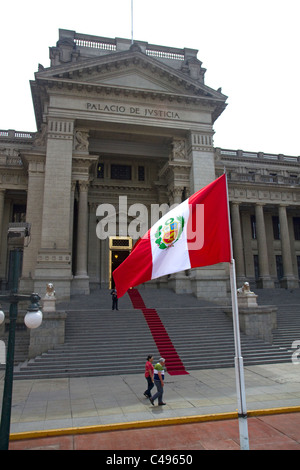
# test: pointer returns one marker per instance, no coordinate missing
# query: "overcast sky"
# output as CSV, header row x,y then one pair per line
x,y
249,48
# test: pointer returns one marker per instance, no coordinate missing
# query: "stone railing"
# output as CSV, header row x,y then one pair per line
x,y
12,134
83,40
108,44
225,154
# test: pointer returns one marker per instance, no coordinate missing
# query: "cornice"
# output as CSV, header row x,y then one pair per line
x,y
66,85
263,162
124,59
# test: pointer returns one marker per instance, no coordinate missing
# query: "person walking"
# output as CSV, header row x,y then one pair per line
x,y
149,375
114,299
159,377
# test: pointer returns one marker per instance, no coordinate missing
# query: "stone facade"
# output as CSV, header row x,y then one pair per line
x,y
125,124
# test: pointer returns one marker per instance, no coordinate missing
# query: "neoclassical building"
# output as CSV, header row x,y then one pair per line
x,y
127,125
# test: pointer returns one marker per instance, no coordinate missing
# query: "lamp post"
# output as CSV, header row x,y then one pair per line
x,y
33,319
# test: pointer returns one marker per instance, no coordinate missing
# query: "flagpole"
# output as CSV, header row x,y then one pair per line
x,y
238,360
131,21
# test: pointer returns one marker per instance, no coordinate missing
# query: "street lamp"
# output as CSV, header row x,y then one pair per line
x,y
33,319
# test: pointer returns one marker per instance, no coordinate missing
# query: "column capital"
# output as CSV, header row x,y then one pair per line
x,y
260,204
83,185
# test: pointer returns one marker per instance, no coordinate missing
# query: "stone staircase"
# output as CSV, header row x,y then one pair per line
x,y
100,341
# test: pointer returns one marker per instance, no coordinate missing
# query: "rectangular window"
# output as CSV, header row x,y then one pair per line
x,y
298,265
253,226
19,213
100,170
276,227
121,172
141,173
256,266
296,221
279,267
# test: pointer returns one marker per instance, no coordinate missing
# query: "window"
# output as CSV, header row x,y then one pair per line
x,y
141,173
256,267
276,227
121,172
296,221
100,170
253,226
298,265
19,213
279,267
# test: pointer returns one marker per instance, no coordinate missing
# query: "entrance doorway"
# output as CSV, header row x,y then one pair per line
x,y
119,249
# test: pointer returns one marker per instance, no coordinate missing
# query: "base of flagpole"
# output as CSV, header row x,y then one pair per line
x,y
243,428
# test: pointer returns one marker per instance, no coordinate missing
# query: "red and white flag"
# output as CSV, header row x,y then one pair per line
x,y
196,233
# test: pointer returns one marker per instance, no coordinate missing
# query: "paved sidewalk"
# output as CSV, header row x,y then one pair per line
x,y
90,401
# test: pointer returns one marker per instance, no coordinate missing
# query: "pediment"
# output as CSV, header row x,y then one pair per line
x,y
132,71
133,79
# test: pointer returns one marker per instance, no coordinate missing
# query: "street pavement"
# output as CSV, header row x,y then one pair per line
x,y
111,412
100,405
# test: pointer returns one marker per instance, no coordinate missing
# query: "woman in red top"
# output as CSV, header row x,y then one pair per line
x,y
149,374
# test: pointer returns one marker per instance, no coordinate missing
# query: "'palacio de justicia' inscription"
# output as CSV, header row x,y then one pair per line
x,y
132,110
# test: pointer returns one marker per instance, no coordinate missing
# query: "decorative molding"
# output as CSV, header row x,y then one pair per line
x,y
53,256
201,141
58,129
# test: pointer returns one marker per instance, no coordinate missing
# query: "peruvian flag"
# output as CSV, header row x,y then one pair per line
x,y
196,233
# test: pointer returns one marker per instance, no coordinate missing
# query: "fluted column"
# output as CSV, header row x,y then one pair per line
x,y
82,230
237,241
263,259
289,279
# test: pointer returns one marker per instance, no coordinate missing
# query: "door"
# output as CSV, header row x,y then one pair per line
x,y
119,249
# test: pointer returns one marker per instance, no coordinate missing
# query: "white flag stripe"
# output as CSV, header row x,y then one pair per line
x,y
174,258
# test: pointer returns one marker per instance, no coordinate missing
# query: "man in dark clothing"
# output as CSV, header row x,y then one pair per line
x,y
114,299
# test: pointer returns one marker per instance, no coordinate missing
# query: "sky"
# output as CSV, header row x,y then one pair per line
x,y
249,48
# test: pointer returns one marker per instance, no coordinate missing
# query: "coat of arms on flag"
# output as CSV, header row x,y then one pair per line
x,y
169,233
197,230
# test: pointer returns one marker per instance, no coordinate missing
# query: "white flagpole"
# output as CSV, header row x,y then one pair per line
x,y
238,360
131,21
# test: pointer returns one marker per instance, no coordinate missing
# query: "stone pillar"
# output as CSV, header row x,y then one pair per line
x,y
210,282
237,241
34,214
81,280
201,157
265,280
288,281
180,281
54,257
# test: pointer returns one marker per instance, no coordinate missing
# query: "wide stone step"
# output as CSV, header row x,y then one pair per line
x,y
98,340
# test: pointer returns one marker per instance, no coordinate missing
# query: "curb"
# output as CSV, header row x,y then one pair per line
x,y
148,423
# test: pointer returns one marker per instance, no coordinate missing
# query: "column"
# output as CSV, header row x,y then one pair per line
x,y
34,214
265,280
177,195
82,230
237,241
2,197
54,256
289,281
201,156
57,190
209,282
